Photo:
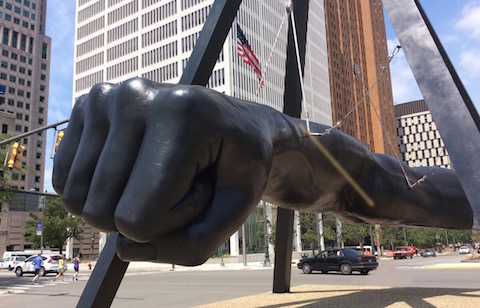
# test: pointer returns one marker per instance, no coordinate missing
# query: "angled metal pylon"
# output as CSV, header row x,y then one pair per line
x,y
452,110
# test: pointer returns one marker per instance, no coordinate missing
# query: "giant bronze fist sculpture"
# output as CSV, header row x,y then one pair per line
x,y
177,169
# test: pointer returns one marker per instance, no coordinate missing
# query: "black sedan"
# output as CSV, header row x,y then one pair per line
x,y
343,260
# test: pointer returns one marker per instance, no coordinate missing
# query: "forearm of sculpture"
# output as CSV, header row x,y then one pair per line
x,y
302,178
193,163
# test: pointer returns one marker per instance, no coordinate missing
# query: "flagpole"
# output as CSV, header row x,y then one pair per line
x,y
237,67
237,95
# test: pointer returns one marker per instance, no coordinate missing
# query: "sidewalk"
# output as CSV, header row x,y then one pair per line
x,y
208,266
216,265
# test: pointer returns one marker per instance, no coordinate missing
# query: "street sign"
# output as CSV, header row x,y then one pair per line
x,y
39,228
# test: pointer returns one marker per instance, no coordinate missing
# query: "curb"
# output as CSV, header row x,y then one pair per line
x,y
453,265
11,292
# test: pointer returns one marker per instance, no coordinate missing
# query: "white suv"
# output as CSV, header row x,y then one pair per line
x,y
11,262
464,249
49,265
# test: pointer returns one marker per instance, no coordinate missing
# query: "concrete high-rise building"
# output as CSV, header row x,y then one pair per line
x,y
120,39
358,62
419,141
24,84
24,77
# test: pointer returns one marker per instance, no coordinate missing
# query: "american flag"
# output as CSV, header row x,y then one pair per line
x,y
246,52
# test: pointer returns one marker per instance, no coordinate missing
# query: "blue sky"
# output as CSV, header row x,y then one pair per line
x,y
457,23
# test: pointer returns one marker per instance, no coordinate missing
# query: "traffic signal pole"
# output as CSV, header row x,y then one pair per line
x,y
37,130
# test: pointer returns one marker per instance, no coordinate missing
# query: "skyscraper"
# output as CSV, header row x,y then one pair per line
x,y
360,82
418,138
24,77
119,39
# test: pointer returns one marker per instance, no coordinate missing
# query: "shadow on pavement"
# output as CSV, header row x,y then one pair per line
x,y
346,296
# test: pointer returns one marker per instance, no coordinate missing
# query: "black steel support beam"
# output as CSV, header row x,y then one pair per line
x,y
109,271
106,277
292,107
210,42
282,270
452,110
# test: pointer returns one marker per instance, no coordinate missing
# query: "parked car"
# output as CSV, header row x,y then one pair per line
x,y
464,249
403,252
429,252
49,265
10,262
343,260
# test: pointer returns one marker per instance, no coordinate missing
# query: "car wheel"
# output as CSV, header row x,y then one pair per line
x,y
19,271
42,271
306,268
364,272
346,269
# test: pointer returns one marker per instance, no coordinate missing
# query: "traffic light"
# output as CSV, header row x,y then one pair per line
x,y
59,139
16,156
13,154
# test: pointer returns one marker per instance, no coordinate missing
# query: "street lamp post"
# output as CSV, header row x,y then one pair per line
x,y
266,262
42,202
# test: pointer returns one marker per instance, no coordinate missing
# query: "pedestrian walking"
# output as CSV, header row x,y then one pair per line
x,y
37,265
76,267
61,268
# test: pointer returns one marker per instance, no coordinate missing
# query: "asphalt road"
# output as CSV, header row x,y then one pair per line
x,y
410,281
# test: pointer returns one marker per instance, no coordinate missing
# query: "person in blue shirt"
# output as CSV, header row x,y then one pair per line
x,y
37,265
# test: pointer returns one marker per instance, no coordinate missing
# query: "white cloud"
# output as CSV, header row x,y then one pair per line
x,y
469,21
404,85
470,63
61,28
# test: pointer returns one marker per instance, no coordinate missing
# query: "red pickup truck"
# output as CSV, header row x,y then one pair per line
x,y
403,252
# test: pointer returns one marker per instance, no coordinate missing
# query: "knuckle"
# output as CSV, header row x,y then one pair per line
x,y
98,219
136,228
97,100
181,99
72,203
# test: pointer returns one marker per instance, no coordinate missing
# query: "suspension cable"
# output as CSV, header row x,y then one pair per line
x,y
271,54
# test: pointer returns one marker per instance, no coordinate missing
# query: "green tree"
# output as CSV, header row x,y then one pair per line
x,y
5,173
58,226
354,233
458,236
329,229
273,232
421,237
308,230
310,238
391,236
